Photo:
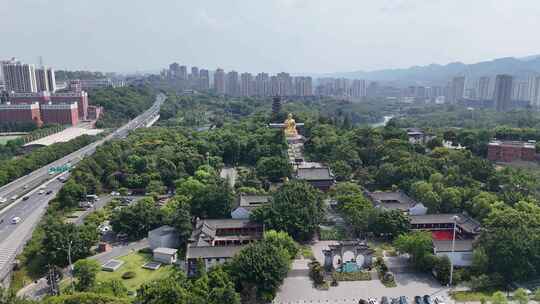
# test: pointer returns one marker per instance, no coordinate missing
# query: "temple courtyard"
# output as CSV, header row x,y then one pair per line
x,y
298,288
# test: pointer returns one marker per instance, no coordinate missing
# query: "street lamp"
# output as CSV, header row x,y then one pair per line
x,y
70,266
454,218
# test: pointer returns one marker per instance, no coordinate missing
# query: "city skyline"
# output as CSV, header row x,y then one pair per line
x,y
293,35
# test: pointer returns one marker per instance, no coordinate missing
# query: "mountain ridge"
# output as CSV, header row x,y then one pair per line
x,y
438,74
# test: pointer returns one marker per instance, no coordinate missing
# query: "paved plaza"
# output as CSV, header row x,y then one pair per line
x,y
298,288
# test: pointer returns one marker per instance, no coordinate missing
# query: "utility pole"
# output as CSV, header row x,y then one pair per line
x,y
70,266
455,218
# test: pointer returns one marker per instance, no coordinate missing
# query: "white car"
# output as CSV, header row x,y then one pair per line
x,y
15,220
43,187
14,197
114,193
439,300
3,200
41,191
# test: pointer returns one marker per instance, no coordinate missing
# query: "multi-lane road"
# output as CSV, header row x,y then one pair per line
x,y
30,210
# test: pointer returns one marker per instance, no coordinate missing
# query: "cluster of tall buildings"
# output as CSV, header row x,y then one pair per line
x,y
32,96
21,78
237,84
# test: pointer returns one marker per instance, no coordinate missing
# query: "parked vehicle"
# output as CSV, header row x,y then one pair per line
x,y
418,300
384,300
427,300
394,301
92,197
15,220
372,301
403,300
439,300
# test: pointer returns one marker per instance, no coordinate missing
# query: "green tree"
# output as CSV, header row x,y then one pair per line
x,y
357,211
137,219
442,269
296,208
282,240
418,244
177,214
85,271
273,168
260,268
163,291
391,223
499,298
521,296
71,194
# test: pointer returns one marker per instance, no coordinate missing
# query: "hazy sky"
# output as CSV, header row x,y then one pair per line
x,y
266,35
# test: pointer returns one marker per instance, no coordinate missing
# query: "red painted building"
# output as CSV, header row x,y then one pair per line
x,y
79,97
60,113
20,113
509,151
94,112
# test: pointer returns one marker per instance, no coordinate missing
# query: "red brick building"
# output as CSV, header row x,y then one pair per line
x,y
60,113
508,151
79,97
20,113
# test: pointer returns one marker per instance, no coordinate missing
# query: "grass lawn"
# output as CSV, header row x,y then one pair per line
x,y
352,276
5,139
470,296
133,262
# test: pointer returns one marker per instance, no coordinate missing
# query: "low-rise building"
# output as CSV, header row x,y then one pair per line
x,y
442,225
396,200
165,255
164,236
319,177
20,113
509,151
216,241
418,136
64,114
247,203
460,253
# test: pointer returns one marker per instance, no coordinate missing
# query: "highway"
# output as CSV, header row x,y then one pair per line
x,y
14,236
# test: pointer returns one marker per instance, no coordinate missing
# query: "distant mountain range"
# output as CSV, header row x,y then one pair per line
x,y
436,74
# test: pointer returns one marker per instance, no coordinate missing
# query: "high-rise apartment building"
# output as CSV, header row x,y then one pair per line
x,y
262,84
520,91
533,88
303,86
19,77
358,88
503,92
182,74
219,81
483,88
45,79
174,70
246,84
232,85
457,89
204,79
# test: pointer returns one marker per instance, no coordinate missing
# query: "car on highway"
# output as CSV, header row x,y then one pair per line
x,y
48,192
14,197
25,198
41,192
25,187
3,199
43,187
15,220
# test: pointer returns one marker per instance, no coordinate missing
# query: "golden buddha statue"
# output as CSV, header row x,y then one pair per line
x,y
289,126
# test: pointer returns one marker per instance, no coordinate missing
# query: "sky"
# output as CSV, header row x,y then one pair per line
x,y
297,36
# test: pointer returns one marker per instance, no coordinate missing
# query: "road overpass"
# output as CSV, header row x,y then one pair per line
x,y
13,237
